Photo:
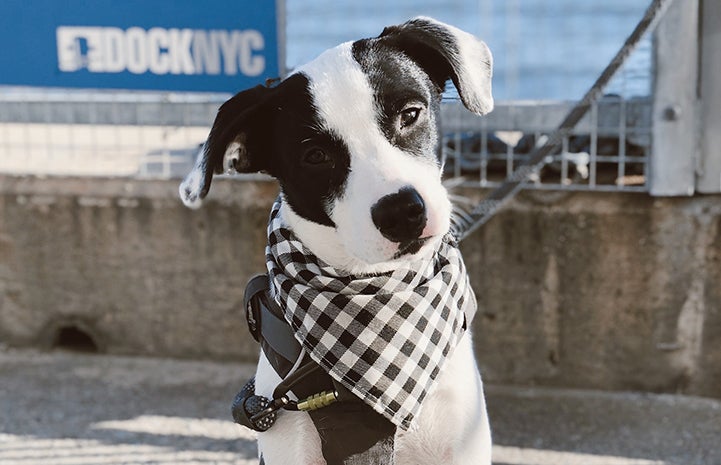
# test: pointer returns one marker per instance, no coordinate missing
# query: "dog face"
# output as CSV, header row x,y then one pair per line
x,y
353,139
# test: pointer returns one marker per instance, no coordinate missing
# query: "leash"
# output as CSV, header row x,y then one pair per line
x,y
469,222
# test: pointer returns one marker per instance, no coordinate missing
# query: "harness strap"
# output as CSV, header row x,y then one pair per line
x,y
267,325
345,423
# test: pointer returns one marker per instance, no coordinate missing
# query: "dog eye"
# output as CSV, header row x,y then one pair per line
x,y
317,156
409,116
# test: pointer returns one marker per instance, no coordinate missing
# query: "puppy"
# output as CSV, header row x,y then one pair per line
x,y
353,139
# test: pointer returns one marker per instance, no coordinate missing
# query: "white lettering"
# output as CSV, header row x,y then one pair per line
x,y
182,61
206,52
79,47
237,48
228,49
69,57
160,51
136,51
251,65
158,59
113,50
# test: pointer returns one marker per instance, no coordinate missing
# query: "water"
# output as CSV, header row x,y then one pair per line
x,y
543,49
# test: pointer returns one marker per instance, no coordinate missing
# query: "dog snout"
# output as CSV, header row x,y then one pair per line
x,y
400,217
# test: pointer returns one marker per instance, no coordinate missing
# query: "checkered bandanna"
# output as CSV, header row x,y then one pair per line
x,y
384,337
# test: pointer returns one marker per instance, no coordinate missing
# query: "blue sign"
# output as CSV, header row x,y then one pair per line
x,y
180,45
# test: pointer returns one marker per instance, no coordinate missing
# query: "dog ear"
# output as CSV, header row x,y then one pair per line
x,y
444,52
232,144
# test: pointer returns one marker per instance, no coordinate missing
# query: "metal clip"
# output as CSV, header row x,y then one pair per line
x,y
265,418
316,401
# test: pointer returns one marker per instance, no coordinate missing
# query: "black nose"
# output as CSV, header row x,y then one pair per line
x,y
400,217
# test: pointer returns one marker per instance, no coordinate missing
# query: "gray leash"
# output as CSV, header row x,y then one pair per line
x,y
538,158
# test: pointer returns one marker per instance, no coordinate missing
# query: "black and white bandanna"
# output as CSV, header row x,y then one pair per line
x,y
384,337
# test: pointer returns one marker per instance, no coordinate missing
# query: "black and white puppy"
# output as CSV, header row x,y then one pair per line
x,y
356,125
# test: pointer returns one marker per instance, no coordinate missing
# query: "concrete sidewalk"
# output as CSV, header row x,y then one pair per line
x,y
70,409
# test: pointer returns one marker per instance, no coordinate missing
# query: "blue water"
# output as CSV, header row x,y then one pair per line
x,y
543,49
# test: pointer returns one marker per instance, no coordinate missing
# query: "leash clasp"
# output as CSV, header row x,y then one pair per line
x,y
316,401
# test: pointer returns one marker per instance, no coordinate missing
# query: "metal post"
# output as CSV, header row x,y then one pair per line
x,y
709,175
675,134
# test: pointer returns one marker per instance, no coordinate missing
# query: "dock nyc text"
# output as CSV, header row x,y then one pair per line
x,y
160,51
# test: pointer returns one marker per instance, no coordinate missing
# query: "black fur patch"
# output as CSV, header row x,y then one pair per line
x,y
282,136
399,84
309,188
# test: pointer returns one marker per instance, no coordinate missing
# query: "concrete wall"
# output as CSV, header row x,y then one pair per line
x,y
128,263
615,291
601,290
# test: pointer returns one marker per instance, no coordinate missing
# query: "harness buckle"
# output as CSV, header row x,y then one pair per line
x,y
256,412
268,414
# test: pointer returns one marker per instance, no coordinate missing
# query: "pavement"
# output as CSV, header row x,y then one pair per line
x,y
61,408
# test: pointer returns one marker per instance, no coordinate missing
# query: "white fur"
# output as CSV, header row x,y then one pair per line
x,y
453,426
451,429
231,157
235,155
476,69
293,439
189,189
377,169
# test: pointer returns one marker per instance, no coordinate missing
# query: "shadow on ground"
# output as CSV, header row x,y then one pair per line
x,y
70,409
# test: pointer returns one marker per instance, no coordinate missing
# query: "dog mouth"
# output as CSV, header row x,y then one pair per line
x,y
410,247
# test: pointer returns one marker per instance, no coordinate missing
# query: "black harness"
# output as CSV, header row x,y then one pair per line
x,y
347,426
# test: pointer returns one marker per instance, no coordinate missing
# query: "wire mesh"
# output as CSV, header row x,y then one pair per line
x,y
73,133
608,150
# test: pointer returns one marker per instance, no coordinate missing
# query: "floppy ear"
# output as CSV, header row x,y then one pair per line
x,y
445,52
232,145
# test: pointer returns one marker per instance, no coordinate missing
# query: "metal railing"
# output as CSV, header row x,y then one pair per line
x,y
608,150
51,132
158,135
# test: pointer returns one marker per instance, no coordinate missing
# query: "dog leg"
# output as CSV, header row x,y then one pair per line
x,y
293,439
453,426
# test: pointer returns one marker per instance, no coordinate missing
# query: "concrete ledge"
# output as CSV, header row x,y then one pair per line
x,y
587,290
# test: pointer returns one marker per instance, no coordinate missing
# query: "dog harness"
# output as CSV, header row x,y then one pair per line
x,y
374,344
346,425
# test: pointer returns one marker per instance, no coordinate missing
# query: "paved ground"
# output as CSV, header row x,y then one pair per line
x,y
70,409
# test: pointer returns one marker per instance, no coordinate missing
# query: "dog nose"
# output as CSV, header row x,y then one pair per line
x,y
400,217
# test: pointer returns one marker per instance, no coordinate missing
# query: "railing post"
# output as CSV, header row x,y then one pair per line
x,y
675,129
709,176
